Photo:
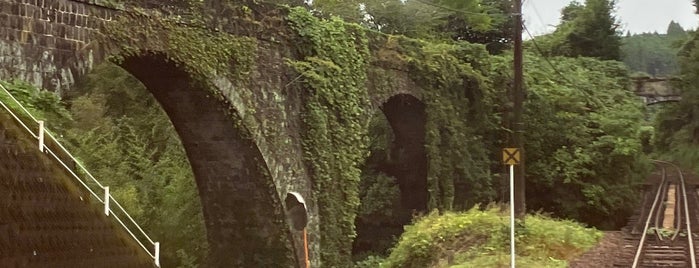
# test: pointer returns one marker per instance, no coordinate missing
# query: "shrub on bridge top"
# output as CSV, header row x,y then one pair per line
x,y
480,238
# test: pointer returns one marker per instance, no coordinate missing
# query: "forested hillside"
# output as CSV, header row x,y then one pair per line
x,y
654,54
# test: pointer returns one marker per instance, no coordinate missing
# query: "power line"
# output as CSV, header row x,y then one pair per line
x,y
453,9
536,11
536,45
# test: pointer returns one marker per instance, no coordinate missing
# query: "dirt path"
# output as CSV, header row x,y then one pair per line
x,y
602,255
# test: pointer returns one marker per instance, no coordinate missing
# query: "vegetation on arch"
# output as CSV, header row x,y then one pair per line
x,y
332,71
477,21
203,53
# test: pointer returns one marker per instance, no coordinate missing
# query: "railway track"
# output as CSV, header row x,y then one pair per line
x,y
661,235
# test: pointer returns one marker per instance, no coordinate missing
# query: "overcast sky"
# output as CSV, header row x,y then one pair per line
x,y
636,16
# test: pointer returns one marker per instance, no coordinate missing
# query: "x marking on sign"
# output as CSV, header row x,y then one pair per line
x,y
510,156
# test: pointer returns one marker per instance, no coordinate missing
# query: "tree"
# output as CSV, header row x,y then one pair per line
x,y
496,38
126,140
571,11
476,21
349,10
588,31
675,30
410,18
585,144
594,32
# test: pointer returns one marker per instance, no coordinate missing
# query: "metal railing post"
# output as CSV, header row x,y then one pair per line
x,y
156,254
41,136
44,134
106,200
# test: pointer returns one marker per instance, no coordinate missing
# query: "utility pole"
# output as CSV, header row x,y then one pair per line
x,y
517,124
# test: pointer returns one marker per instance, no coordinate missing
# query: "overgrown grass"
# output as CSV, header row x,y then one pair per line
x,y
480,238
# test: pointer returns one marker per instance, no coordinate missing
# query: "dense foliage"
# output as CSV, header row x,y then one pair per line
x,y
583,143
480,238
583,140
380,217
677,134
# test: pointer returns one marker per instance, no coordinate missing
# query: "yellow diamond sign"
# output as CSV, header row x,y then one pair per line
x,y
510,156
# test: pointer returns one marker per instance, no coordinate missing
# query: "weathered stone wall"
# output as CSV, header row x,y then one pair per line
x,y
49,42
655,90
45,220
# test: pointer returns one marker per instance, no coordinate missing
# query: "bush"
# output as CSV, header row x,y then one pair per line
x,y
480,238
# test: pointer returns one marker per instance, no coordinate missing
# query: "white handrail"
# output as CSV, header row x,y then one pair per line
x,y
132,234
156,245
73,158
17,118
49,151
132,220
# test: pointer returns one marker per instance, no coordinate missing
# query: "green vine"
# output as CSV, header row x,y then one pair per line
x,y
335,138
455,91
201,52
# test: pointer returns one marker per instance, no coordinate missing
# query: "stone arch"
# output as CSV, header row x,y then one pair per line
x,y
243,213
407,117
406,162
53,43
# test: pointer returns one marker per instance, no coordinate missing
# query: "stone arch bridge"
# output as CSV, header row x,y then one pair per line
x,y
226,82
656,90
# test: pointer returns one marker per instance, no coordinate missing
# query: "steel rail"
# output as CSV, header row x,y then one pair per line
x,y
690,238
637,257
678,210
664,187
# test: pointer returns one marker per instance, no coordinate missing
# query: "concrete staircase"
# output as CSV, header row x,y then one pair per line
x,y
46,219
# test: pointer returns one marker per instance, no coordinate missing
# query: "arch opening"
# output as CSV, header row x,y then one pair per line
x,y
296,210
394,180
244,221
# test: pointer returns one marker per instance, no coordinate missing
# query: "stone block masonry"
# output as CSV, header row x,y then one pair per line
x,y
49,42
